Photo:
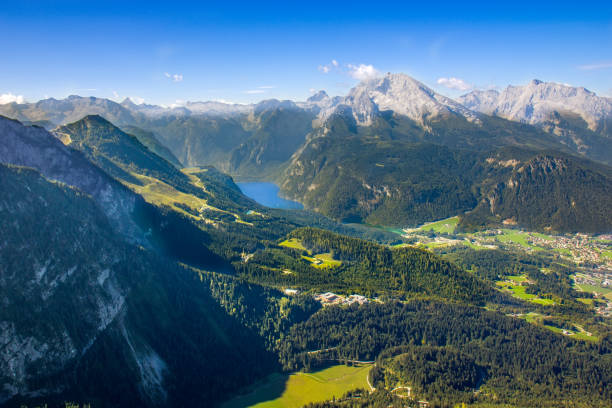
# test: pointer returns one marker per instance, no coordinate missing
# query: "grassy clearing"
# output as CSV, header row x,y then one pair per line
x,y
518,278
328,260
159,193
542,236
578,333
325,260
322,260
293,243
519,292
607,254
531,317
563,251
605,292
473,245
515,237
446,226
433,245
574,334
299,389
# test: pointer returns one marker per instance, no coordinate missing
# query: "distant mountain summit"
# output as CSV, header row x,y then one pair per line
x,y
578,117
318,97
533,103
401,94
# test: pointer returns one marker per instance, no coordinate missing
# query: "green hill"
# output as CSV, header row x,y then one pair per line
x,y
118,153
153,144
380,175
321,260
549,193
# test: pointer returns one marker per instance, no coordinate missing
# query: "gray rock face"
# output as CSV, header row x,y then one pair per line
x,y
55,300
34,147
533,103
401,94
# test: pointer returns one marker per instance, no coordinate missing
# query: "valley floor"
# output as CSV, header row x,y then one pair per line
x,y
299,389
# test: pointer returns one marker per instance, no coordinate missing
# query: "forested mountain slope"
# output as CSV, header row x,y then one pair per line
x,y
380,180
508,360
153,144
352,265
79,305
549,193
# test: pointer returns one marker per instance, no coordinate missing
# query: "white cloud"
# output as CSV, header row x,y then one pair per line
x,y
363,72
254,91
454,83
266,87
174,77
9,98
115,94
593,67
328,67
312,90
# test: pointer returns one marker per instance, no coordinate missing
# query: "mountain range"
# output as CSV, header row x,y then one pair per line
x,y
580,118
358,157
128,279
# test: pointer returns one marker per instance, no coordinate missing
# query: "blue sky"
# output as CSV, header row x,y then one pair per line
x,y
244,52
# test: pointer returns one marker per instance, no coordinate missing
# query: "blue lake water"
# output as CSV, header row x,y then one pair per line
x,y
267,194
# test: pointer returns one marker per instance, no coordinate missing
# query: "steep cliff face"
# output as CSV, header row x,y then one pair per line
x,y
58,277
34,147
87,317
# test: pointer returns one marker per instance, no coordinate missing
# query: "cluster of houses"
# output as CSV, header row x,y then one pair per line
x,y
581,246
595,277
330,298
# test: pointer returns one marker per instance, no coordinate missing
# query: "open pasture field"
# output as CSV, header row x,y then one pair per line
x,y
299,389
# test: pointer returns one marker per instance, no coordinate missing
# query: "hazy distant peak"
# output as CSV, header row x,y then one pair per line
x,y
318,97
533,103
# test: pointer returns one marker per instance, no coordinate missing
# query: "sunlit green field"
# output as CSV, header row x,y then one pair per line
x,y
299,389
293,243
606,292
575,334
516,237
443,226
318,261
519,291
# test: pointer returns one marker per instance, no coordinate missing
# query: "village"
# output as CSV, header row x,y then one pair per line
x,y
329,299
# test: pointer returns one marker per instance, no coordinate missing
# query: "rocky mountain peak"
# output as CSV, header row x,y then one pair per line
x,y
535,102
403,95
318,97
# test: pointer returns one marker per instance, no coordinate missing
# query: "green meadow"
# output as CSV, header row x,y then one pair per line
x,y
447,225
325,260
299,389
